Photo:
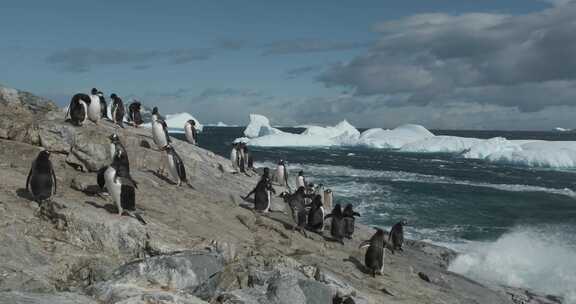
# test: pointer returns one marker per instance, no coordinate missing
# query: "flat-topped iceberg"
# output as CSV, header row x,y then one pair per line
x,y
416,138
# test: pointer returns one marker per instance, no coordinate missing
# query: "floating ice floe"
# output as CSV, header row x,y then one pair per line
x,y
416,138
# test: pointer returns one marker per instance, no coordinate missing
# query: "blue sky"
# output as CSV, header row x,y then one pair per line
x,y
295,61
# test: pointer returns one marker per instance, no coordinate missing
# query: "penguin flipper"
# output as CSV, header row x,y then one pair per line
x,y
53,175
29,177
100,178
364,244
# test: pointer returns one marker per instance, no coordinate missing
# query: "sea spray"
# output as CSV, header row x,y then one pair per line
x,y
542,259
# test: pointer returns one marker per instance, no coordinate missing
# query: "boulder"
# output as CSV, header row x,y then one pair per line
x,y
90,150
17,297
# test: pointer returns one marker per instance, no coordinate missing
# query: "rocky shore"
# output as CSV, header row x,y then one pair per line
x,y
200,245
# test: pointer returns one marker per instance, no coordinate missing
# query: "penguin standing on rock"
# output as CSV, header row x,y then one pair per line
x,y
297,204
328,199
41,180
78,109
301,180
117,150
262,193
374,258
282,174
349,220
94,108
234,158
337,224
120,184
103,105
191,132
316,215
176,166
396,235
159,131
134,113
118,110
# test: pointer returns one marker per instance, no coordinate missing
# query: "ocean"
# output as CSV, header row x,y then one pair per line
x,y
512,225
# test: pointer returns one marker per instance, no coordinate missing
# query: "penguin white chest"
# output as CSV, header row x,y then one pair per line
x,y
301,181
94,109
234,158
113,186
85,106
280,174
112,150
172,167
189,134
158,134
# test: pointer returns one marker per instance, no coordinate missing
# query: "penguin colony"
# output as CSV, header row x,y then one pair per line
x,y
308,204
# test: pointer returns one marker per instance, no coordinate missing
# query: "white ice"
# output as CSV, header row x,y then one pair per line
x,y
177,121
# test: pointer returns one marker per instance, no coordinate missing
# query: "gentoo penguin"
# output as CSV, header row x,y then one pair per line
x,y
249,161
328,199
234,158
103,105
396,235
282,174
156,114
176,166
374,258
191,132
41,180
134,113
120,184
262,193
118,110
337,224
117,150
300,180
78,109
94,108
297,203
160,133
316,215
349,219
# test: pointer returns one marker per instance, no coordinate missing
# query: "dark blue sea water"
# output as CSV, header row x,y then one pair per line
x,y
514,225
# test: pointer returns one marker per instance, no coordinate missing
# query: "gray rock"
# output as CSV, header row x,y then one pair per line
x,y
90,150
189,272
337,285
17,297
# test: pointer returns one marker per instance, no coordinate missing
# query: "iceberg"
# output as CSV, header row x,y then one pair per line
x,y
395,138
177,121
417,139
259,126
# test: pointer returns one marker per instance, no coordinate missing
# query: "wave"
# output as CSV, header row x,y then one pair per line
x,y
331,173
541,259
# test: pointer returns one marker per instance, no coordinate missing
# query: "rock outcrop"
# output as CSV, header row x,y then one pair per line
x,y
200,245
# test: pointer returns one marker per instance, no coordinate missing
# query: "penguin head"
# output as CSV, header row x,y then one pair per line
x,y
266,172
155,110
404,222
44,154
284,194
192,122
100,94
94,91
114,137
301,190
317,202
328,190
301,173
337,210
349,209
113,96
379,233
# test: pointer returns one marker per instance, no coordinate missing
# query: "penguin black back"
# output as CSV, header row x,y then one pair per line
x,y
396,235
349,220
337,225
374,258
76,110
316,214
41,180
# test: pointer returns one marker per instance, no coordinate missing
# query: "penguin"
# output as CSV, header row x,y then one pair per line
x,y
41,180
241,157
156,114
176,166
117,150
234,157
248,158
316,215
374,258
282,174
328,199
78,109
120,184
297,204
134,113
160,132
262,193
396,235
191,132
118,110
94,108
337,224
349,219
300,180
103,105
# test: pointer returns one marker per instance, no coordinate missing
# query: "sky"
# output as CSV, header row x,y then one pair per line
x,y
444,64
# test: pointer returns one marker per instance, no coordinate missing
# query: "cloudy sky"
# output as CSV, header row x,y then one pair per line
x,y
452,64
